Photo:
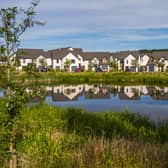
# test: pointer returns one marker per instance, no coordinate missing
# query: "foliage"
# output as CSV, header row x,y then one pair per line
x,y
67,65
14,22
90,66
43,62
58,137
121,78
114,65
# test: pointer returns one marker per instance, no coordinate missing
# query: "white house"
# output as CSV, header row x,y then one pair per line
x,y
30,56
75,59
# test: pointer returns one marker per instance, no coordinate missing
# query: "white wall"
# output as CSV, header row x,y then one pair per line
x,y
128,61
38,60
48,61
25,62
70,56
144,60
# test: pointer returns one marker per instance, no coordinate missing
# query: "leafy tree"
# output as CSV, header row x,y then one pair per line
x,y
13,23
90,66
67,64
43,62
136,64
114,65
161,66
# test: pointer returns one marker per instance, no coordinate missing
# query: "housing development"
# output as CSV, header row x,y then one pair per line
x,y
75,59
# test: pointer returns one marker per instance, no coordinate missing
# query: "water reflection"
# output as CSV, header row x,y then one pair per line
x,y
1,93
148,100
71,92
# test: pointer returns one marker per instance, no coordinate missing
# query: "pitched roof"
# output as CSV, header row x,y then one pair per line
x,y
156,54
29,53
98,55
62,52
124,54
47,54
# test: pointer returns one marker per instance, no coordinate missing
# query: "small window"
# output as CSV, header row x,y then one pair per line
x,y
24,61
104,60
33,60
57,60
73,61
127,61
57,67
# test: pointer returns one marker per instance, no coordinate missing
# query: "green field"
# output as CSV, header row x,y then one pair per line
x,y
125,78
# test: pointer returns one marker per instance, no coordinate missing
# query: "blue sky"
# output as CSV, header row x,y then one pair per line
x,y
106,25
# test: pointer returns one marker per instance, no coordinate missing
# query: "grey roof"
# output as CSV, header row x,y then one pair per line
x,y
98,55
124,54
47,54
62,52
29,53
156,54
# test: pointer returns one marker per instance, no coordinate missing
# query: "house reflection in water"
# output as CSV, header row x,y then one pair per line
x,y
72,92
158,93
97,92
64,92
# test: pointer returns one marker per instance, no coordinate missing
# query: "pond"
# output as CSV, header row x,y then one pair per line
x,y
147,100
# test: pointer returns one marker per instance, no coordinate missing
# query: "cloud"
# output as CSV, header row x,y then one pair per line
x,y
93,20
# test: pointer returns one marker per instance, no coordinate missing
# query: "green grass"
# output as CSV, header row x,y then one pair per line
x,y
57,137
91,77
46,136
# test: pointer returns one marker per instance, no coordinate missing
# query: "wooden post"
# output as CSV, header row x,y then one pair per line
x,y
13,160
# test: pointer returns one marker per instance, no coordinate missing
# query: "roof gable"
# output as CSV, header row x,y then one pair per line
x,y
29,53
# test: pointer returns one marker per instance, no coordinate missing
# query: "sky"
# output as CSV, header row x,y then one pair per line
x,y
97,25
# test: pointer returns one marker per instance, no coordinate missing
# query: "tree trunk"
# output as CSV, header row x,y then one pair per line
x,y
13,160
8,74
8,69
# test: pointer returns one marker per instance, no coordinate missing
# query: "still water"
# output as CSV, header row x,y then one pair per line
x,y
148,100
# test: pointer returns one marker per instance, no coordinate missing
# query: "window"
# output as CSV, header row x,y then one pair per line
x,y
33,60
57,67
73,61
104,60
127,61
57,60
24,61
73,68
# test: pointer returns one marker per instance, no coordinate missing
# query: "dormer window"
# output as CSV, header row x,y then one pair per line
x,y
162,60
73,61
104,60
71,49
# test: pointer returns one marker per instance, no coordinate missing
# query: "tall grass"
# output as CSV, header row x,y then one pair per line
x,y
57,137
4,134
93,77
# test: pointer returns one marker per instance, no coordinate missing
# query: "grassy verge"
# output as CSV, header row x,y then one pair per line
x,y
92,77
57,137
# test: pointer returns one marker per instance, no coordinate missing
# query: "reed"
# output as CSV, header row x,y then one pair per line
x,y
58,137
92,77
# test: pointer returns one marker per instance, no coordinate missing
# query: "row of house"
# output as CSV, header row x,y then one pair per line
x,y
73,59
